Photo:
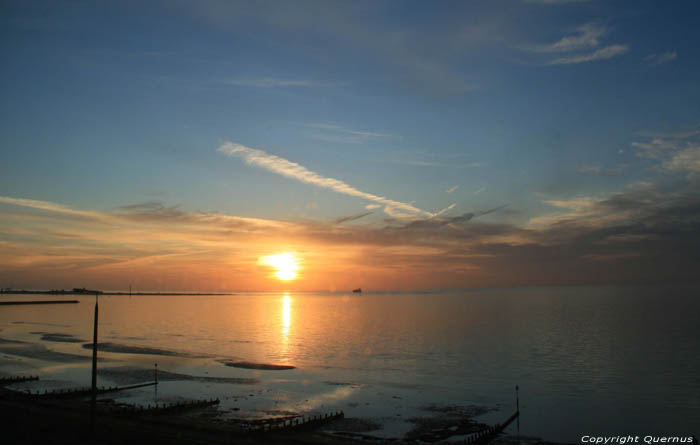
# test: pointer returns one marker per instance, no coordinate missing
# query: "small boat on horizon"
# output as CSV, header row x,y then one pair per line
x,y
358,290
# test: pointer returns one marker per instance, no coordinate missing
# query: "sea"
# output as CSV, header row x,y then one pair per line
x,y
586,360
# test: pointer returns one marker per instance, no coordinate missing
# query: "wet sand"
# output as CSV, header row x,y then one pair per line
x,y
424,423
429,423
128,375
40,352
29,421
58,337
32,421
130,349
251,391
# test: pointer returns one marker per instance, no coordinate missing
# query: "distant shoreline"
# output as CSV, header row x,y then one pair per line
x,y
99,292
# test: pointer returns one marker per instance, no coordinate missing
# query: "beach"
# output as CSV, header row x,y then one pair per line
x,y
396,364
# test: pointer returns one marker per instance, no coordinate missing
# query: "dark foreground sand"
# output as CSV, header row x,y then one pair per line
x,y
31,421
26,421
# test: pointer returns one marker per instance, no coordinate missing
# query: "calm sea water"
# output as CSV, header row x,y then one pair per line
x,y
588,360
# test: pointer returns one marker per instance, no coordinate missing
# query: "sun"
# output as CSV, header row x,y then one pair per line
x,y
286,264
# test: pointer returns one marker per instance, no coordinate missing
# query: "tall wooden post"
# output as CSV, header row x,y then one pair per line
x,y
517,407
155,376
93,402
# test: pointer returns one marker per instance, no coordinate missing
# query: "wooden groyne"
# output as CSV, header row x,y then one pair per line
x,y
163,408
297,424
180,406
17,379
487,434
82,392
17,303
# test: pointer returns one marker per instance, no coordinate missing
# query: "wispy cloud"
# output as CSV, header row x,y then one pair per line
x,y
583,45
337,133
687,160
673,152
351,217
271,82
440,164
432,158
654,148
449,207
586,37
289,169
555,2
51,207
681,134
421,59
150,212
601,54
602,211
599,171
658,59
340,129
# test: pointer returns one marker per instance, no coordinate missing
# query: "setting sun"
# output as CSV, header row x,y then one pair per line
x,y
286,265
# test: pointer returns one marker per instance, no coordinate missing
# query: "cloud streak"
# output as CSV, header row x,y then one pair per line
x,y
601,54
51,207
674,152
351,218
586,37
292,170
340,129
659,59
573,47
446,209
271,82
597,170
337,133
554,2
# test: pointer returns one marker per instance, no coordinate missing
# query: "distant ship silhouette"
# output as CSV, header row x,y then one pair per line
x,y
358,290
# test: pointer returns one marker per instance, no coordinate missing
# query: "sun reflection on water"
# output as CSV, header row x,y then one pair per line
x,y
286,324
286,316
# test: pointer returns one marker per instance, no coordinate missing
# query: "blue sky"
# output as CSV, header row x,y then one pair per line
x,y
531,107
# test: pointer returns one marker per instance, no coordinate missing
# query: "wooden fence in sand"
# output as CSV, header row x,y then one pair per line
x,y
487,434
17,379
69,393
296,424
162,408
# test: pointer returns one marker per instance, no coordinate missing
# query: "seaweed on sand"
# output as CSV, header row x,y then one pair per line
x,y
260,366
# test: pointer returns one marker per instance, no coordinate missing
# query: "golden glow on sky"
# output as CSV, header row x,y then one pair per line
x,y
286,265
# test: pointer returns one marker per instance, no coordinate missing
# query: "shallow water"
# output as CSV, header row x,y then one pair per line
x,y
588,360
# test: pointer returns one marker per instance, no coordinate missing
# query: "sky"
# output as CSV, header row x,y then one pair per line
x,y
175,145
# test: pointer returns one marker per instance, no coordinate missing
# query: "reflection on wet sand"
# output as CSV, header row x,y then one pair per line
x,y
331,398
